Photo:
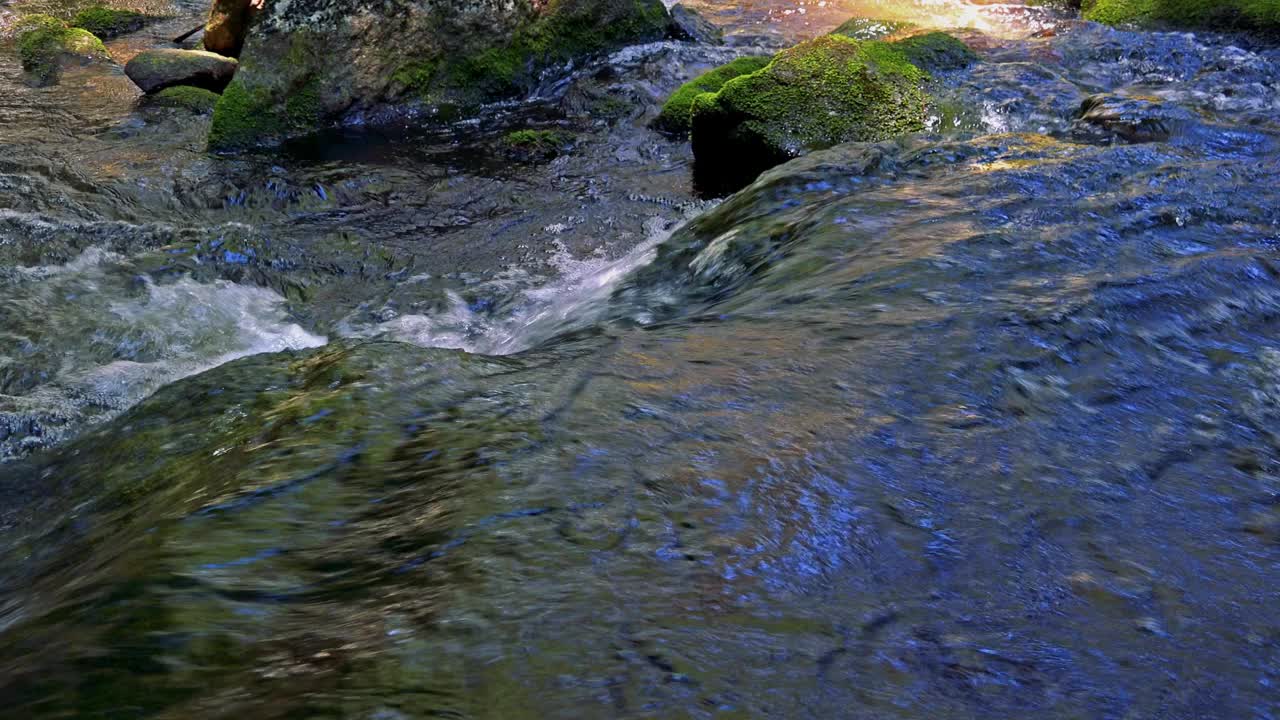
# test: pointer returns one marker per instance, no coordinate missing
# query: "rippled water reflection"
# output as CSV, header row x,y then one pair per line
x,y
968,426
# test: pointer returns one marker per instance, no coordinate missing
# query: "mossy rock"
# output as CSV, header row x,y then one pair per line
x,y
572,29
675,115
108,22
817,94
1257,15
155,70
535,145
350,59
861,28
936,52
46,44
246,117
185,97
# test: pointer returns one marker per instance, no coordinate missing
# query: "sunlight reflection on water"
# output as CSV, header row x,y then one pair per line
x,y
799,19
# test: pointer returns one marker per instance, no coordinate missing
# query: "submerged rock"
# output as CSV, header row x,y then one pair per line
x,y
108,22
185,97
47,44
313,62
936,52
535,145
860,28
228,24
688,24
155,70
1135,120
818,94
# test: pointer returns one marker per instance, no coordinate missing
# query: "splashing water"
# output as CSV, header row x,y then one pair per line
x,y
575,299
66,362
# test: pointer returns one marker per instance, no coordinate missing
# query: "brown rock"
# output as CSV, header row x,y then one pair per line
x,y
228,24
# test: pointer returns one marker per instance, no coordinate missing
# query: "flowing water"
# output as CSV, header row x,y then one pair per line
x,y
975,424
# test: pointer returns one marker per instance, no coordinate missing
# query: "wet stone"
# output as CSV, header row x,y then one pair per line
x,y
155,70
689,25
1133,120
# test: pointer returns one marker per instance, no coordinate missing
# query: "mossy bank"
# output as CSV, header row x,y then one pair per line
x,y
1257,15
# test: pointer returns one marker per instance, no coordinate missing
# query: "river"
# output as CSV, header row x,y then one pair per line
x,y
386,424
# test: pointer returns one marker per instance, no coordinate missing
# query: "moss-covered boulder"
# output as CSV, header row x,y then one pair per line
x,y
308,63
817,94
1261,15
185,97
936,52
676,112
47,44
108,22
155,70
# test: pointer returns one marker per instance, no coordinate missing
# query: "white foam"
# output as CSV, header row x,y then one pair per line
x,y
575,299
101,343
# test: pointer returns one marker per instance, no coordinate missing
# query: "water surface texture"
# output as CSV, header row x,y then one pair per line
x,y
974,424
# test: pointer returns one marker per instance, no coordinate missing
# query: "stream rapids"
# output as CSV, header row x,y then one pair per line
x,y
980,423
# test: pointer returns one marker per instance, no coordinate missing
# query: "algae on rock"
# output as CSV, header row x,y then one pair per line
x,y
1263,15
186,97
308,63
46,44
106,22
936,52
675,115
817,94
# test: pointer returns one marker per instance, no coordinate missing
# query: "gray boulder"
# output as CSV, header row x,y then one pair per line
x,y
689,25
155,70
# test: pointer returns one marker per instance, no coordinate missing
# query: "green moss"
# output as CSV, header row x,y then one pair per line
x,y
245,116
108,22
415,77
936,52
826,91
570,30
29,23
242,118
817,94
1118,12
303,109
535,145
675,115
43,42
871,29
1263,15
185,97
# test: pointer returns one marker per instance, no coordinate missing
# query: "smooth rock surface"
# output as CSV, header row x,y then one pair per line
x,y
155,70
227,27
689,25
